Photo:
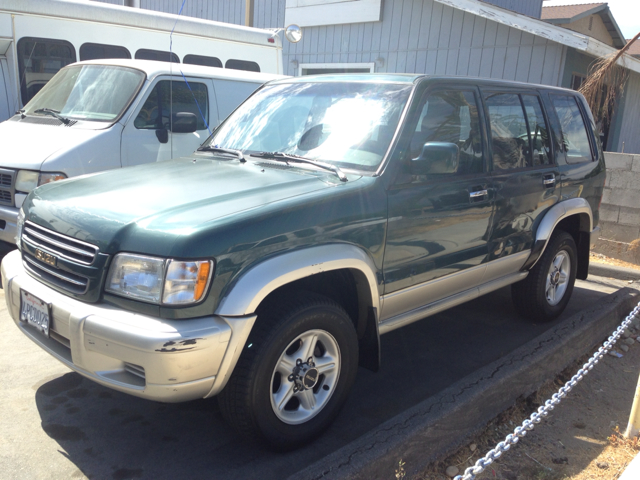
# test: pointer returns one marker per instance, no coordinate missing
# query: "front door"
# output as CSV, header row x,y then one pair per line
x,y
439,223
147,136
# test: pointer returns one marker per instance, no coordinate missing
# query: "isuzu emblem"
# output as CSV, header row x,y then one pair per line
x,y
46,257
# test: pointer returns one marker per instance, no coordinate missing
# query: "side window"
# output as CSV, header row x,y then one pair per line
x,y
242,65
574,134
39,59
451,116
157,109
509,133
538,131
158,55
202,60
93,51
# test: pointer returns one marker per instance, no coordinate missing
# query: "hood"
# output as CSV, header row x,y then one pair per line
x,y
148,207
27,145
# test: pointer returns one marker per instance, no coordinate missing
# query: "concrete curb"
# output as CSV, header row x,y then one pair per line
x,y
621,273
442,423
632,472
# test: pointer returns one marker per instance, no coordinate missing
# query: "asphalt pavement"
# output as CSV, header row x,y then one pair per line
x,y
56,424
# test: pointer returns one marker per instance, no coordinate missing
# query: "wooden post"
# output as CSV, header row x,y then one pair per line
x,y
634,419
248,13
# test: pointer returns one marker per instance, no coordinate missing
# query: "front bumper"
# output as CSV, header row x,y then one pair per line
x,y
154,358
10,216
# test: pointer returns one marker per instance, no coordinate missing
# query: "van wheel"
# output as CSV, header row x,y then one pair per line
x,y
546,291
294,374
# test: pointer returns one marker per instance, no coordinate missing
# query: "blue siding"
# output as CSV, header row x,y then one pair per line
x,y
533,8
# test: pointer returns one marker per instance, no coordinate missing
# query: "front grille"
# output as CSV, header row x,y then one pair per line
x,y
68,281
60,245
6,186
136,370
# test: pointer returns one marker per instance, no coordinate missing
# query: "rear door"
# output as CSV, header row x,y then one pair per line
x,y
147,138
525,175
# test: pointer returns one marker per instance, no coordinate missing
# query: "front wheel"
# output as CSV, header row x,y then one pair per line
x,y
295,372
546,291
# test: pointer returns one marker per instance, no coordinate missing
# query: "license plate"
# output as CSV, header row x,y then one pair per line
x,y
35,312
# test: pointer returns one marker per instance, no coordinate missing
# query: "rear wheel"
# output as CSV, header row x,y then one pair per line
x,y
295,372
546,291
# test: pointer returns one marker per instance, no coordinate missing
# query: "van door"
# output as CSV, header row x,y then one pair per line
x,y
147,136
5,84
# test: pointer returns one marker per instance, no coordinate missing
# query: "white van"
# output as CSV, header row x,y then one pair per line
x,y
104,114
39,37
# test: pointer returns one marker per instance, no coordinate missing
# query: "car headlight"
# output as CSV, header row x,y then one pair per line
x,y
28,180
159,281
19,225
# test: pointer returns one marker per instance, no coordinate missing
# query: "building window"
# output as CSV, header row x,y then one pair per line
x,y
242,65
577,80
202,60
326,68
93,51
39,59
157,55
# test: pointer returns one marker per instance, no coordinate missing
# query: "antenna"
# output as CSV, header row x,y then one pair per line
x,y
171,79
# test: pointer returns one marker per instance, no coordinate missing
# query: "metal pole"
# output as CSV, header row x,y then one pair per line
x,y
248,13
131,3
634,419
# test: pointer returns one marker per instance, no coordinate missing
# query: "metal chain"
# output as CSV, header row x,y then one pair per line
x,y
543,411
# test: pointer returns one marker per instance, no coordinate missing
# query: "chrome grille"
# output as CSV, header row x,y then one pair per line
x,y
6,186
66,280
60,245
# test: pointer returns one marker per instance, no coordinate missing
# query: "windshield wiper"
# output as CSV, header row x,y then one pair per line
x,y
228,151
286,158
53,113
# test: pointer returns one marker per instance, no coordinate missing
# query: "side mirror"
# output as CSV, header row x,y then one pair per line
x,y
436,158
184,122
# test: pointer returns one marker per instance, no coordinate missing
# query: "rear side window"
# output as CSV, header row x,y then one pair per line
x,y
39,59
509,133
242,65
538,131
575,141
157,109
93,51
202,60
451,116
157,55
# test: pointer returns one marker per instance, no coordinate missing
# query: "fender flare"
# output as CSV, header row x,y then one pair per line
x,y
253,286
557,213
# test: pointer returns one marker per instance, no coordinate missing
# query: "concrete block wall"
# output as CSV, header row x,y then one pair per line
x,y
620,208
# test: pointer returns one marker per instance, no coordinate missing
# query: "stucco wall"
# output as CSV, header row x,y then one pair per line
x,y
598,29
620,208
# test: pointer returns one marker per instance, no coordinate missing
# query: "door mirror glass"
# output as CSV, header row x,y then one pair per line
x,y
436,158
184,122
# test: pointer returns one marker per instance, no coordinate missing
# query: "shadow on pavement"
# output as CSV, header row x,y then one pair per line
x,y
107,434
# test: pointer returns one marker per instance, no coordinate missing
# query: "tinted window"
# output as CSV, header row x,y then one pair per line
x,y
242,65
39,59
93,51
202,60
574,134
158,55
157,109
509,133
538,131
451,117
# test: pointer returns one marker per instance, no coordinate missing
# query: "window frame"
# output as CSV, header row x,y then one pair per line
x,y
21,61
519,92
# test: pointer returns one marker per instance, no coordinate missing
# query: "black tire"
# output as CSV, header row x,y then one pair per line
x,y
530,295
246,401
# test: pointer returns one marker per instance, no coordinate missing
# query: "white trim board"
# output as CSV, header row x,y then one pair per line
x,y
371,66
313,13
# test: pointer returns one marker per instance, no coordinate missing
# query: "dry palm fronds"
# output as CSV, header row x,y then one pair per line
x,y
605,83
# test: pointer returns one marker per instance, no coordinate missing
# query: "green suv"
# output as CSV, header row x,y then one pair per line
x,y
324,212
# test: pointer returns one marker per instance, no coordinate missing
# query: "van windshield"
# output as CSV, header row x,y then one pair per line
x,y
347,124
98,93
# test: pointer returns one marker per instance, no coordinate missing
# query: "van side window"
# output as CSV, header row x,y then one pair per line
x,y
538,131
157,109
157,55
242,65
39,59
575,141
93,51
202,60
451,116
509,133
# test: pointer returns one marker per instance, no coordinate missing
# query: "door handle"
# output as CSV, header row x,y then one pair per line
x,y
478,194
549,180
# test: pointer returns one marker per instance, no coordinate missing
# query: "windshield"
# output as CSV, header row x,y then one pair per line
x,y
88,92
348,124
